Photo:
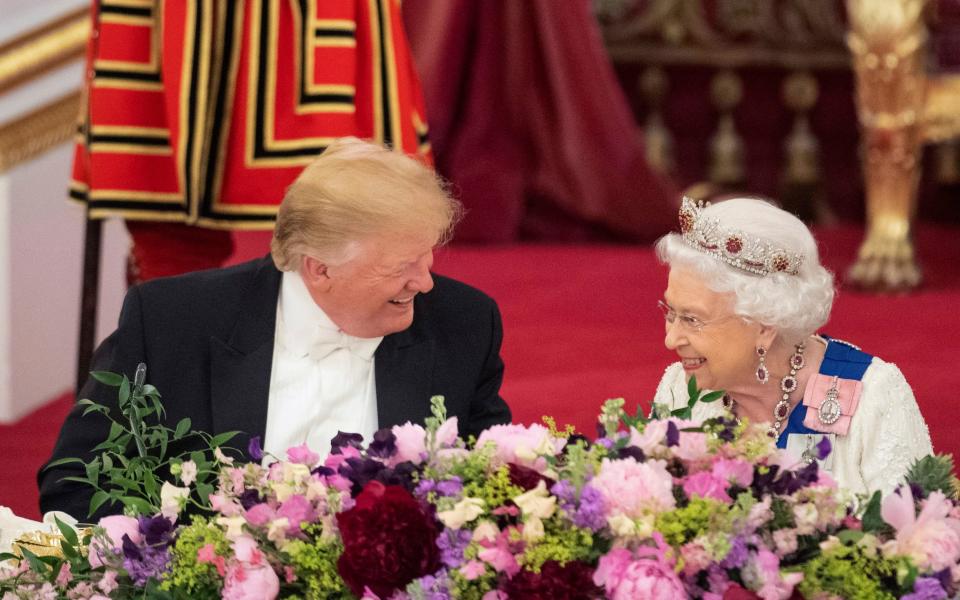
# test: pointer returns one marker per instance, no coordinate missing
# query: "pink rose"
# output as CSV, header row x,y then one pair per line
x,y
246,583
706,485
411,443
115,527
303,455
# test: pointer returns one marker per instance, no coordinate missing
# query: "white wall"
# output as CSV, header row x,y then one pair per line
x,y
41,259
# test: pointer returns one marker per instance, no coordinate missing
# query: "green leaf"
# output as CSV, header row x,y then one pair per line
x,y
115,430
99,497
68,532
692,390
223,438
850,536
108,378
5,556
36,563
139,505
204,490
93,470
712,396
124,395
183,427
872,520
63,461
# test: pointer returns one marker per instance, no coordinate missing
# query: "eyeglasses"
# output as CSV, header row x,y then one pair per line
x,y
688,322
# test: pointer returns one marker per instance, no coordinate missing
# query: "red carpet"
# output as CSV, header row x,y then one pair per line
x,y
581,326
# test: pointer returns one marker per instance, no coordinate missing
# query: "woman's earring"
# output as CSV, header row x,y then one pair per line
x,y
763,375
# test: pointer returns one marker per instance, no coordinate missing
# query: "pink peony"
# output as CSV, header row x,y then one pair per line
x,y
629,487
624,578
251,583
411,443
303,455
692,445
762,575
706,485
932,538
246,550
519,444
115,526
733,471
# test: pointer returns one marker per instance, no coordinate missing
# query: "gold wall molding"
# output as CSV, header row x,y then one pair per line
x,y
39,131
43,49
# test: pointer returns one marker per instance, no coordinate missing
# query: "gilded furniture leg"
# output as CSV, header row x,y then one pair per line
x,y
887,40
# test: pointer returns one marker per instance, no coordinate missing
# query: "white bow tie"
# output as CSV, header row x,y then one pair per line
x,y
327,341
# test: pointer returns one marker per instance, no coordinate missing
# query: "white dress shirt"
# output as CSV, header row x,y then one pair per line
x,y
322,379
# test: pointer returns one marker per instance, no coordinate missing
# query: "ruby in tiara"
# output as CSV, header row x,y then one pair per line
x,y
734,245
738,249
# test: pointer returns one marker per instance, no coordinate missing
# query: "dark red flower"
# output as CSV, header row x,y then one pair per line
x,y
573,580
735,592
389,539
527,478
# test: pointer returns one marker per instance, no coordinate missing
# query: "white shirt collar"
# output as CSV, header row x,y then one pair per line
x,y
302,324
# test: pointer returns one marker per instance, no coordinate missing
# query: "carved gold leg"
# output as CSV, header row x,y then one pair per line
x,y
887,40
886,260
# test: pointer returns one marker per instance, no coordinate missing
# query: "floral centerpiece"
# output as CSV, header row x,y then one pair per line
x,y
658,508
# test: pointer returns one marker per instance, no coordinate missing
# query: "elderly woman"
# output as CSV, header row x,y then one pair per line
x,y
745,297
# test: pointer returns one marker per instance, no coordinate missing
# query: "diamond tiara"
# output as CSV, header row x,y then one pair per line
x,y
736,248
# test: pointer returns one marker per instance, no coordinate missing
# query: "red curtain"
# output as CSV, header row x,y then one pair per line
x,y
528,122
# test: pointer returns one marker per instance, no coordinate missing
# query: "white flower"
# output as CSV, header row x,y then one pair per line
x,y
806,517
537,502
532,530
188,472
172,499
223,458
622,525
463,512
485,531
233,525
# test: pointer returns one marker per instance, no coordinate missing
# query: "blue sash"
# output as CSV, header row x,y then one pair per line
x,y
842,360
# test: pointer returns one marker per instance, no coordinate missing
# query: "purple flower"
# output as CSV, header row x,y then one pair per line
x,y
591,513
632,452
156,530
452,544
445,487
384,444
250,498
435,587
926,588
673,434
254,449
737,556
342,440
143,564
823,448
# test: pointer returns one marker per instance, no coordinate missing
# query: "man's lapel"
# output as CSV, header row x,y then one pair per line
x,y
240,366
404,370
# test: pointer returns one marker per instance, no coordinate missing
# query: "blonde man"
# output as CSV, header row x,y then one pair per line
x,y
343,328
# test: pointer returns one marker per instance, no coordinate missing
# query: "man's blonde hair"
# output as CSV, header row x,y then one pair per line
x,y
354,191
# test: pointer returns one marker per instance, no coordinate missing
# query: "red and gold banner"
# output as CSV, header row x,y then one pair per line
x,y
203,111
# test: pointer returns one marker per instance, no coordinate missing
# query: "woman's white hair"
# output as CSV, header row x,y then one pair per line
x,y
796,305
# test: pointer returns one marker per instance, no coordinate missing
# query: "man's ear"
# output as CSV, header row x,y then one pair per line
x,y
314,273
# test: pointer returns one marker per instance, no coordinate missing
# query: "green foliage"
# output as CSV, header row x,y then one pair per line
x,y
855,572
700,516
494,490
315,564
935,473
130,466
562,543
187,576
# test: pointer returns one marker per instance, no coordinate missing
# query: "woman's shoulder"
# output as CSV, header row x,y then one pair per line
x,y
672,389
